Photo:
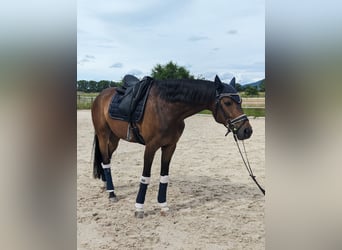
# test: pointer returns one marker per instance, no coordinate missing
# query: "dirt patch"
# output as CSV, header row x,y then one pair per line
x,y
213,202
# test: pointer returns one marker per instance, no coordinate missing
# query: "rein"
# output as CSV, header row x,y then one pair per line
x,y
230,124
246,162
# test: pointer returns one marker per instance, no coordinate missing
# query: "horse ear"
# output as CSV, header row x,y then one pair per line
x,y
217,80
232,82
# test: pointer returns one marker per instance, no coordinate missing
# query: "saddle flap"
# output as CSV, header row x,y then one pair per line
x,y
129,106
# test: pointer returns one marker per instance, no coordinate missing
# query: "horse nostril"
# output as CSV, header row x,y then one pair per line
x,y
248,132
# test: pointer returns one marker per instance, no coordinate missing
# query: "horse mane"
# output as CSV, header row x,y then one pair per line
x,y
186,90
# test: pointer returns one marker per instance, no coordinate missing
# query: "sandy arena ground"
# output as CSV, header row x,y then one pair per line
x,y
213,202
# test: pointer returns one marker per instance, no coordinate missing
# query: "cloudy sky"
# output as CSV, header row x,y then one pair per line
x,y
224,37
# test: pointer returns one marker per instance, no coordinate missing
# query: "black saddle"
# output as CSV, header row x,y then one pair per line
x,y
127,82
134,90
128,104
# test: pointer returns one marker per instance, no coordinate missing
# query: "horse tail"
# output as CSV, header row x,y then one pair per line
x,y
97,167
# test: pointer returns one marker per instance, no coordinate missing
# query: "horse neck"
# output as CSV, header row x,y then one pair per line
x,y
184,110
182,105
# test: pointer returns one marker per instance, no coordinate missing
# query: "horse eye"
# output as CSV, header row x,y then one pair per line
x,y
228,103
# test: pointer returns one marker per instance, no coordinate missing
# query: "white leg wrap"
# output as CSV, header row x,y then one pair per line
x,y
164,204
145,180
164,179
163,207
139,206
105,165
108,191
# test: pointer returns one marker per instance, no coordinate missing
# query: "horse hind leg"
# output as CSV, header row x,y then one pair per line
x,y
108,144
112,146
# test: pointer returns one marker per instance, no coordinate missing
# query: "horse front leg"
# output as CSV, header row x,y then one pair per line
x,y
167,153
144,181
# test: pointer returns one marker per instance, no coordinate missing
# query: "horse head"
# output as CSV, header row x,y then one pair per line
x,y
228,110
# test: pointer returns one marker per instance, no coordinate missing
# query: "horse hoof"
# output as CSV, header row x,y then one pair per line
x,y
113,199
139,214
164,211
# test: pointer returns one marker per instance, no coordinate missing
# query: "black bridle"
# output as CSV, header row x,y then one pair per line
x,y
229,123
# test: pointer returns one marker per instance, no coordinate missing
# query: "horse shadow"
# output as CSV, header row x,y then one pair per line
x,y
190,193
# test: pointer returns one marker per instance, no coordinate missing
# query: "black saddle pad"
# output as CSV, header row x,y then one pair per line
x,y
135,115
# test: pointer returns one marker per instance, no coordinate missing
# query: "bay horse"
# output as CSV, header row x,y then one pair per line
x,y
169,102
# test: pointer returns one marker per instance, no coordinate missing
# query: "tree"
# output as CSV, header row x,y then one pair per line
x,y
251,91
103,84
262,86
92,87
238,87
170,71
82,85
115,84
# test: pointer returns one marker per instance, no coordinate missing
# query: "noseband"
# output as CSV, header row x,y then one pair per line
x,y
230,124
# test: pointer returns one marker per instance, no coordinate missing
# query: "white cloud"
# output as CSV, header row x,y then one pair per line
x,y
226,77
86,59
197,38
232,32
90,57
209,75
135,72
211,36
116,65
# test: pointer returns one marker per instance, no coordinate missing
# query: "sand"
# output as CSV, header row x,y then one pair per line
x,y
213,202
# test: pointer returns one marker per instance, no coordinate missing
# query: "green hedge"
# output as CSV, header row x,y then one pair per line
x,y
256,112
83,105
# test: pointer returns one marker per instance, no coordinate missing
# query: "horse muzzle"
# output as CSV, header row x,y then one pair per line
x,y
245,132
240,127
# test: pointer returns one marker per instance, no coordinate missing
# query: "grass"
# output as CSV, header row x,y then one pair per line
x,y
84,101
256,112
87,94
83,105
260,94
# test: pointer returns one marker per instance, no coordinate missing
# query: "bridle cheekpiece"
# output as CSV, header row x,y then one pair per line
x,y
230,124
